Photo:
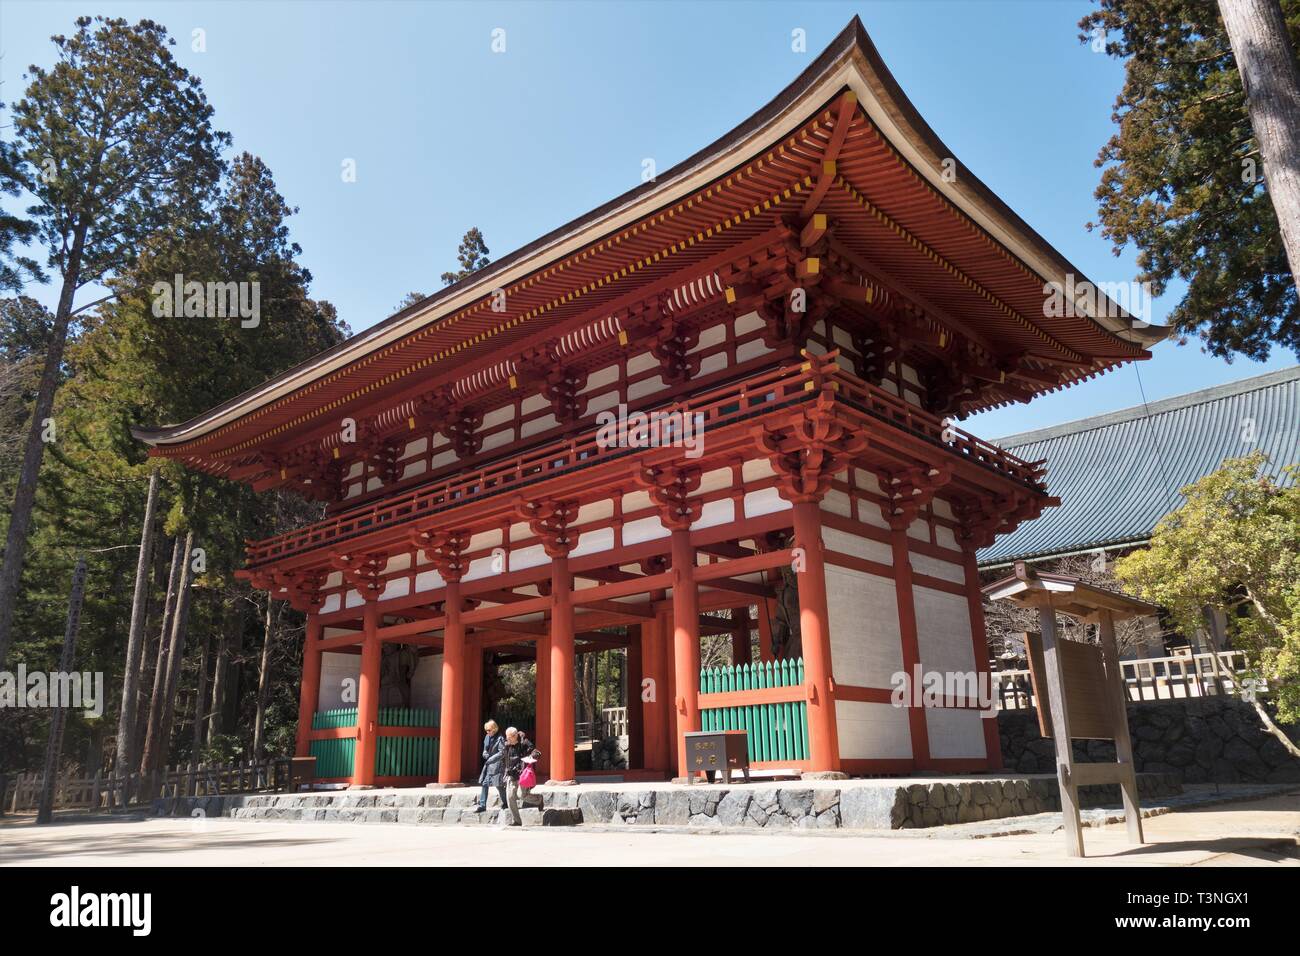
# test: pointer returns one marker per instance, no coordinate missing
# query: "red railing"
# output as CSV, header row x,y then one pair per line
x,y
725,404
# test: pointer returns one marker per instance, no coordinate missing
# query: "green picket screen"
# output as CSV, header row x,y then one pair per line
x,y
407,756
776,731
394,756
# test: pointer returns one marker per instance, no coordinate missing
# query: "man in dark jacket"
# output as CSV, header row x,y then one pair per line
x,y
517,747
490,775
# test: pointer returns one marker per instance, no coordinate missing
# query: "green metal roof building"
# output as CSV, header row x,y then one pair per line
x,y
1118,474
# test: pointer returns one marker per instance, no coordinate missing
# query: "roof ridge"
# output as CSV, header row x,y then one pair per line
x,y
1162,406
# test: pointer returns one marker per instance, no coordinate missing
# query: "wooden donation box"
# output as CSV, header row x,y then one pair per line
x,y
717,751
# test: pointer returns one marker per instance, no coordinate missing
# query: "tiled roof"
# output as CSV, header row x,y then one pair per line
x,y
1119,474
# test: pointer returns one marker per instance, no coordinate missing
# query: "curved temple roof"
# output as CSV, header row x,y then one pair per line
x,y
1119,474
948,236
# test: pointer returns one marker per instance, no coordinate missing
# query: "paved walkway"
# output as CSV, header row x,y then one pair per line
x,y
1259,833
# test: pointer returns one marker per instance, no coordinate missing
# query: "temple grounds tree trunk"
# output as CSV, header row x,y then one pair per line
x,y
58,713
175,655
200,699
1271,79
119,136
263,680
135,636
161,667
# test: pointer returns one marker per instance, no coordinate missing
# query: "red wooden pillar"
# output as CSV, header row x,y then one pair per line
x,y
636,723
910,643
542,699
561,702
657,693
309,692
740,636
980,641
451,733
823,740
686,642
472,727
363,768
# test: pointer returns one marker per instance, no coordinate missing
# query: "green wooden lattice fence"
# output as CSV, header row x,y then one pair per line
x,y
776,731
394,756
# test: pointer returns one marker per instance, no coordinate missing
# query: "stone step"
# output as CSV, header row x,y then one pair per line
x,y
865,804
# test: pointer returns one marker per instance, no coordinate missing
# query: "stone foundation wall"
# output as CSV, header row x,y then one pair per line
x,y
1202,740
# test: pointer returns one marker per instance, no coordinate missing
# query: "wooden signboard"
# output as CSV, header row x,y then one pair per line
x,y
1087,694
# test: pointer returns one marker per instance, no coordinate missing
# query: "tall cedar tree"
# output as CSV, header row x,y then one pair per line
x,y
1183,179
472,254
119,138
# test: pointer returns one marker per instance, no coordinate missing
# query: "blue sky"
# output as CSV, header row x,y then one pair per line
x,y
447,134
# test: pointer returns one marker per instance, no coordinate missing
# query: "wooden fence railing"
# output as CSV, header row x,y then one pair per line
x,y
1146,678
75,790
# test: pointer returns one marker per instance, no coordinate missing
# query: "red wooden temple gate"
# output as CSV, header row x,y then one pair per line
x,y
805,305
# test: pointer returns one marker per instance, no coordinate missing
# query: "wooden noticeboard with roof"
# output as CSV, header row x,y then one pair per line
x,y
1078,687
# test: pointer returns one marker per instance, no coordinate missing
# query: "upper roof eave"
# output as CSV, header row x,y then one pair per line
x,y
850,60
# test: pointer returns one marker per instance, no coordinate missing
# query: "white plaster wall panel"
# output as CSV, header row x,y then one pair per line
x,y
417,447
643,529
338,672
442,459
399,562
354,470
749,322
713,335
857,546
955,733
837,503
764,502
844,362
866,646
641,362
414,468
538,425
497,440
332,603
603,402
428,581
911,397
534,403
866,481
499,416
757,468
942,508
589,542
869,731
713,363
485,539
645,387
751,350
715,479
596,511
352,492
373,483
945,538
919,529
842,337
531,557
481,568
635,501
333,579
909,375
889,386
426,683
815,348
600,378
935,568
714,513
943,630
353,599
398,587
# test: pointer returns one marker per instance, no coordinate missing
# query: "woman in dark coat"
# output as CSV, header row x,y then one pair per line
x,y
516,748
490,775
